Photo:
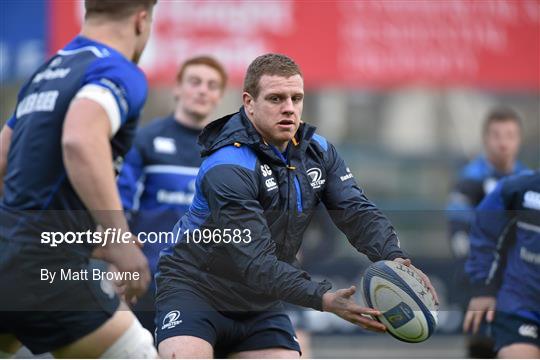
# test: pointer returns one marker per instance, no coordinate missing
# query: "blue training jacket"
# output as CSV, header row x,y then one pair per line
x,y
505,246
249,186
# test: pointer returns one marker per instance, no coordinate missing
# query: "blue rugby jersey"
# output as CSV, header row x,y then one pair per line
x,y
157,181
36,178
477,179
505,246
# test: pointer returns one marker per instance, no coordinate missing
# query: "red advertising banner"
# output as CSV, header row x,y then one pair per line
x,y
356,44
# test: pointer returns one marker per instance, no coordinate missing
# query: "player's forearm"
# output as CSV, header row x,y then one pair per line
x,y
282,281
90,170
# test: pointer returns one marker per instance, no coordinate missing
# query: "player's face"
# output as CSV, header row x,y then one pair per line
x,y
502,141
199,90
276,112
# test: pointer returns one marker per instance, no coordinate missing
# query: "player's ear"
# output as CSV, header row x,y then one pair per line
x,y
248,101
176,92
141,22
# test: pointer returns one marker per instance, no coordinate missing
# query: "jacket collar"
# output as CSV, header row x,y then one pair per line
x,y
237,129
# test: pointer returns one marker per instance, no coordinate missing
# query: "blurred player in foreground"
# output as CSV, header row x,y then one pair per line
x,y
157,182
501,139
220,289
504,266
74,121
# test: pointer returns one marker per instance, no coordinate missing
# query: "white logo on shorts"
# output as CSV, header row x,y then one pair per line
x,y
171,320
528,330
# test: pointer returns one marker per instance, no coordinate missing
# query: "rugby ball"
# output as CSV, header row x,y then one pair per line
x,y
408,309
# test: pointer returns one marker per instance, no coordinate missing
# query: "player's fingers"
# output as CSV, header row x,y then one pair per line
x,y
426,280
359,310
141,285
117,281
490,315
346,293
98,253
135,288
128,294
368,323
144,281
133,300
137,241
467,321
406,262
120,290
478,316
432,290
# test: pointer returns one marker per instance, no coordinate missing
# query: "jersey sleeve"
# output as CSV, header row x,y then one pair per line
x,y
118,85
464,197
365,226
489,234
11,122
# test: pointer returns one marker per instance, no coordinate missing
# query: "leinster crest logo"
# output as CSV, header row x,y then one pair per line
x,y
315,174
171,320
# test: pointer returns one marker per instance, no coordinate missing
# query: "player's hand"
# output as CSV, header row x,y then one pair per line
x,y
128,257
478,307
424,277
342,304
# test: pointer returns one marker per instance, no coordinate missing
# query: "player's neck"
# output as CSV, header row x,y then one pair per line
x,y
190,120
502,166
112,36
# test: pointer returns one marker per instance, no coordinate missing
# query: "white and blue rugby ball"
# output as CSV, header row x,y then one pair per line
x,y
408,309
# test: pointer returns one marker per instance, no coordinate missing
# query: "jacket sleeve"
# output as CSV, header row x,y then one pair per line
x,y
490,233
465,196
365,226
232,195
128,179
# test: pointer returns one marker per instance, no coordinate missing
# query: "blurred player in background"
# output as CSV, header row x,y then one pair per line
x,y
220,289
74,121
501,138
157,182
504,266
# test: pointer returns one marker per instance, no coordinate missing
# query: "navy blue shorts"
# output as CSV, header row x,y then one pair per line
x,y
184,312
46,316
512,329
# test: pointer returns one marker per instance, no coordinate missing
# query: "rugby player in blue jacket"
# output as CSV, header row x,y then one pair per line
x,y
157,182
74,121
504,266
220,288
501,138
